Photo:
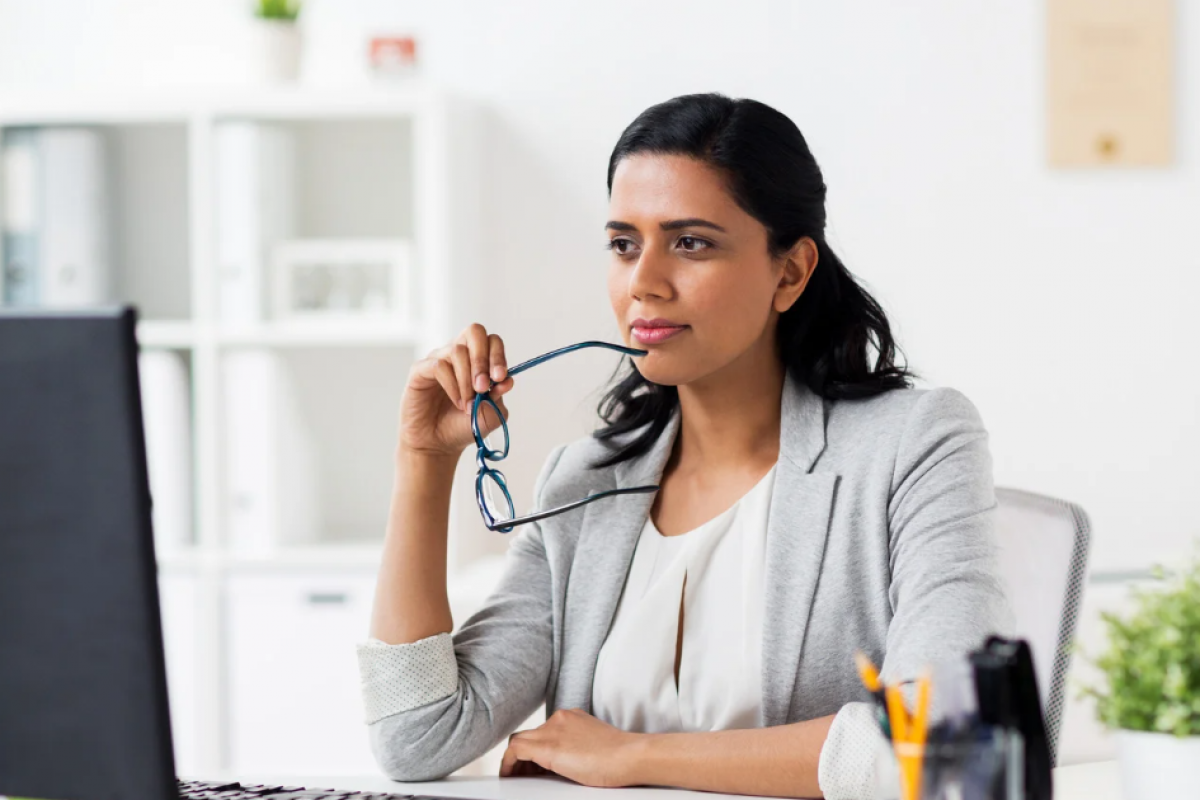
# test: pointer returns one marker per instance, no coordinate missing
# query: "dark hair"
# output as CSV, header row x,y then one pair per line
x,y
826,335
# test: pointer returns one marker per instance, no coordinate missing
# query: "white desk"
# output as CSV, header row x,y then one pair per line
x,y
1098,781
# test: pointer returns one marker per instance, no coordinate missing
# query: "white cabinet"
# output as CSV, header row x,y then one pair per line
x,y
294,700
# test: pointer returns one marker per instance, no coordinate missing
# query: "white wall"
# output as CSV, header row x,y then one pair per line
x,y
1060,302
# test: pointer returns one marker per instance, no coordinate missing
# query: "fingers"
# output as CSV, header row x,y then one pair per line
x,y
469,364
507,763
488,418
488,361
510,764
487,414
502,387
460,357
497,359
519,757
480,347
449,381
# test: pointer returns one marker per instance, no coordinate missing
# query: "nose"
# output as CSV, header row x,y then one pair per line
x,y
650,276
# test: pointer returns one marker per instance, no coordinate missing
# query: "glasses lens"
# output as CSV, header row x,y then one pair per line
x,y
497,441
495,498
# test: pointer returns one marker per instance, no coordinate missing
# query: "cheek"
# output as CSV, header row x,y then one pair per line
x,y
617,294
733,307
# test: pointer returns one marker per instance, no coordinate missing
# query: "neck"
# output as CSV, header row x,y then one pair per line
x,y
731,418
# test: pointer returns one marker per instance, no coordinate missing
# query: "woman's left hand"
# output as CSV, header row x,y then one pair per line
x,y
574,744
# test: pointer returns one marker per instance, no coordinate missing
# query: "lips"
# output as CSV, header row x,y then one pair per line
x,y
657,322
656,330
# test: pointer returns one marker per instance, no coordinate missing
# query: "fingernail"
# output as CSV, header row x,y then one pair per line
x,y
497,373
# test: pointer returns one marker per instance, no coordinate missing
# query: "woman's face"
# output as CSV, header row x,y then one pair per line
x,y
685,252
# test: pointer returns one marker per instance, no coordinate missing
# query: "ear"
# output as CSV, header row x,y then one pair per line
x,y
798,266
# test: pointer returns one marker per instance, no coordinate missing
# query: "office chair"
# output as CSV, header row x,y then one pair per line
x,y
1043,556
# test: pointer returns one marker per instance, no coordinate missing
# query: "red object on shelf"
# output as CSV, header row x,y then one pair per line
x,y
389,54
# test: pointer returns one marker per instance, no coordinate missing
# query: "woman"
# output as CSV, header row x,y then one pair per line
x,y
811,504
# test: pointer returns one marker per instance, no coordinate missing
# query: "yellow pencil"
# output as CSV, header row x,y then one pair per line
x,y
901,743
897,716
921,717
919,729
867,671
908,731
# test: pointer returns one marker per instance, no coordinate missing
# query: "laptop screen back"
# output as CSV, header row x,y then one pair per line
x,y
83,694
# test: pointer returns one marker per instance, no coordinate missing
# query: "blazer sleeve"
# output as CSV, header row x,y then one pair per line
x,y
434,705
946,593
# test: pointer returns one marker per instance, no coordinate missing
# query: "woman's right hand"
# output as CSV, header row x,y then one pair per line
x,y
435,411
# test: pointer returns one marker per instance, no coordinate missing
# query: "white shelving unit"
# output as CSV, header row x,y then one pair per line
x,y
259,646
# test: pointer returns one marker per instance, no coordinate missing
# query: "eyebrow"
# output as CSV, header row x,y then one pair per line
x,y
669,225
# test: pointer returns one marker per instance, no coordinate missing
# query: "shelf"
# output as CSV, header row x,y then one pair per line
x,y
332,555
172,335
284,102
400,100
319,334
323,556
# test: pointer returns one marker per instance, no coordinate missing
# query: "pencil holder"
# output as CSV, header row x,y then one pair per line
x,y
988,767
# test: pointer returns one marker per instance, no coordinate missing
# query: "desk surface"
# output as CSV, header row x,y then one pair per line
x,y
1098,781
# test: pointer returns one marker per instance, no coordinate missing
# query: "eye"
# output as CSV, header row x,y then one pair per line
x,y
701,244
618,246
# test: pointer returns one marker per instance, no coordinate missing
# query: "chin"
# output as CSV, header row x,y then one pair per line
x,y
665,374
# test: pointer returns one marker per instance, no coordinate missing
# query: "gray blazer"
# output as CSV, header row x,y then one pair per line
x,y
880,538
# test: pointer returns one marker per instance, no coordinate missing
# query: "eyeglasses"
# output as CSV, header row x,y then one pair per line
x,y
491,489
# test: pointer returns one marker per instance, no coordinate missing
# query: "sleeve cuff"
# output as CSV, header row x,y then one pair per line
x,y
847,764
397,677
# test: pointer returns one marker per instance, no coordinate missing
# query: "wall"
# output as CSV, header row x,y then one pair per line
x,y
1060,302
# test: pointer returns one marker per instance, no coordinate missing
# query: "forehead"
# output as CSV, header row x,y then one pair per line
x,y
651,187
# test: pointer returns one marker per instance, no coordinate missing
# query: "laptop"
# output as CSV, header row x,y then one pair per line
x,y
83,685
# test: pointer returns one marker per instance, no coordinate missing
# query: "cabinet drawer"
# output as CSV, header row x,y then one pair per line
x,y
295,706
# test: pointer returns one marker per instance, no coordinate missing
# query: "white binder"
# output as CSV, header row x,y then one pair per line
x,y
271,491
255,209
20,221
166,414
74,235
55,228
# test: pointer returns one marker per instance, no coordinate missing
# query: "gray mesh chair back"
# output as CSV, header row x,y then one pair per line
x,y
1043,556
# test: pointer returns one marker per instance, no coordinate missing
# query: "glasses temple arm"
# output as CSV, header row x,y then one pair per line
x,y
524,365
560,509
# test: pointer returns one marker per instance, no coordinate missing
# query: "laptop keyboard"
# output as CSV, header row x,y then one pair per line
x,y
232,790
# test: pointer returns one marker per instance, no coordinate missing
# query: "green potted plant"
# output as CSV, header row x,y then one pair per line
x,y
1151,699
279,38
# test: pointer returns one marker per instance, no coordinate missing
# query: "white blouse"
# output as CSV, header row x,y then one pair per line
x,y
720,670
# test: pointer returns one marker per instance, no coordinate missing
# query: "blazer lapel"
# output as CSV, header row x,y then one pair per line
x,y
797,525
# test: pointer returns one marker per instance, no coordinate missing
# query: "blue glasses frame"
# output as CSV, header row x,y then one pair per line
x,y
496,477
